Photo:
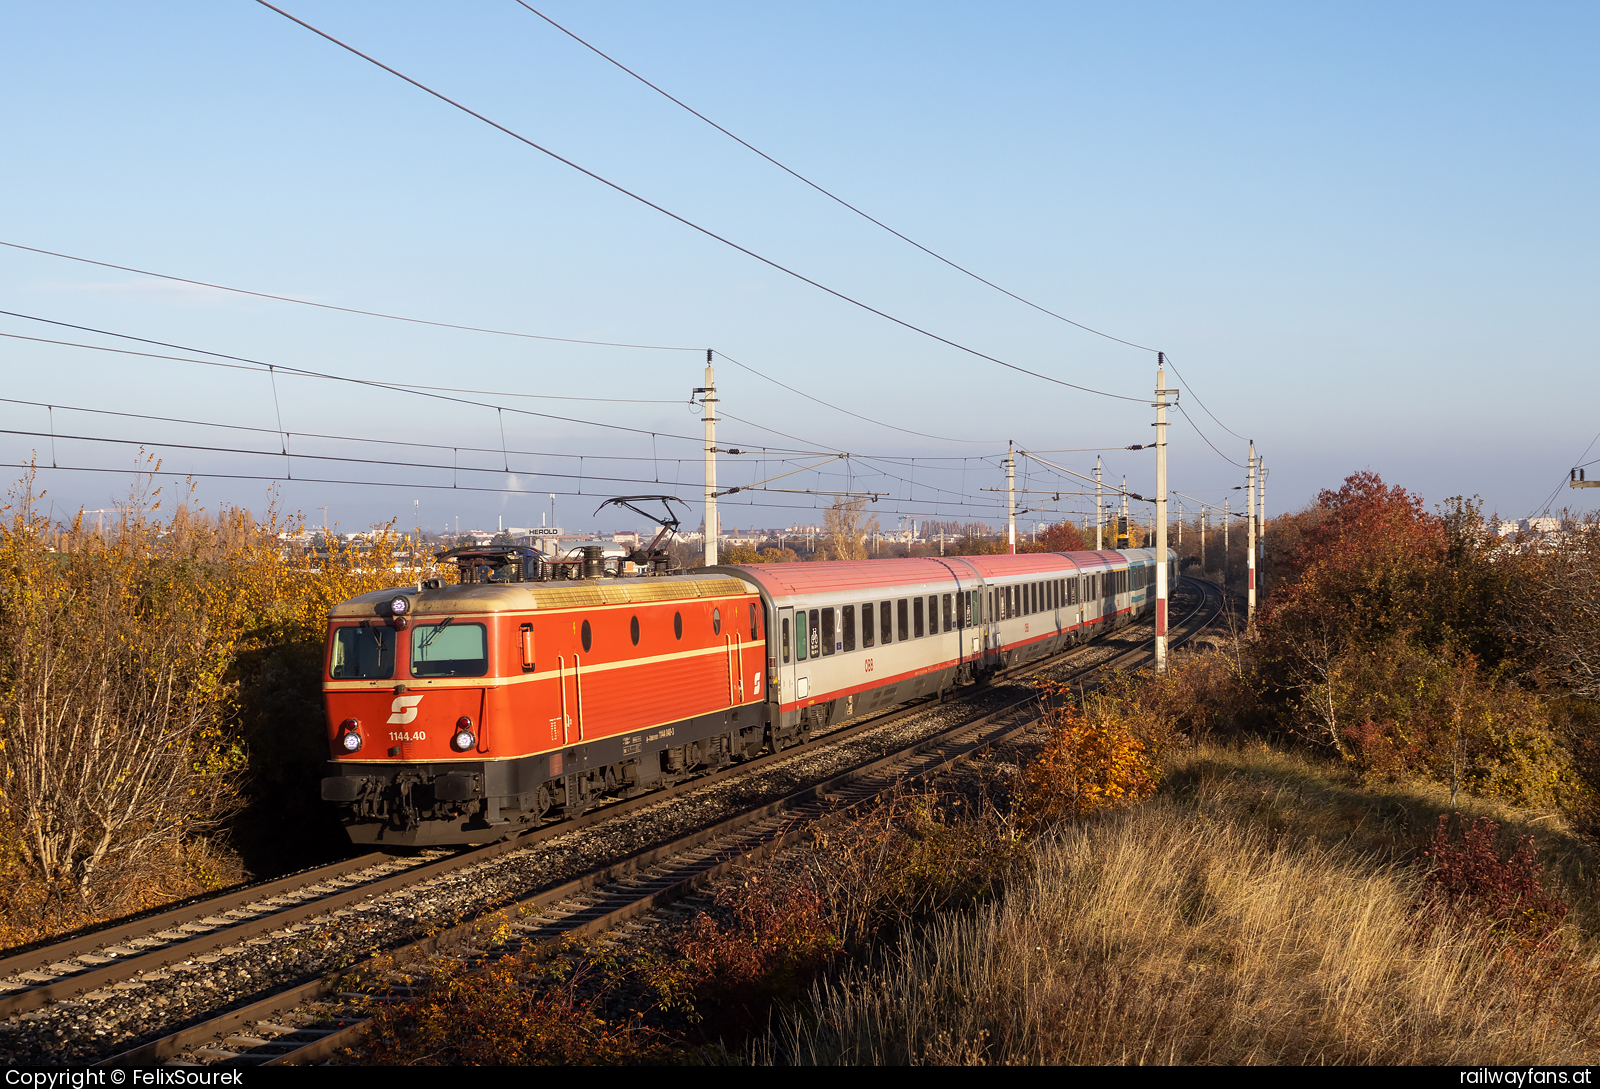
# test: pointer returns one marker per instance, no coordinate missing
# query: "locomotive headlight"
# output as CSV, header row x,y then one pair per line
x,y
464,738
400,606
349,735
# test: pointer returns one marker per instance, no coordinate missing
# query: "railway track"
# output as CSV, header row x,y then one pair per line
x,y
298,1024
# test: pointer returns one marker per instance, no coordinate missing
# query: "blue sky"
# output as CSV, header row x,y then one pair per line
x,y
1365,235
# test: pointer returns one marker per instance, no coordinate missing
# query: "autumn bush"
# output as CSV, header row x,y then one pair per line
x,y
761,945
159,703
1261,908
1098,755
515,1011
1384,640
1469,881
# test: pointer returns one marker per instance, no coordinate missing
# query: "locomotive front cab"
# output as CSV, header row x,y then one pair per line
x,y
406,699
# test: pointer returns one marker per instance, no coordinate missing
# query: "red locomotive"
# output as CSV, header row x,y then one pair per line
x,y
460,713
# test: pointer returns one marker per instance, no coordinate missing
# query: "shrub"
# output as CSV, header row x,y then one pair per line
x,y
763,944
511,1012
1469,881
1097,757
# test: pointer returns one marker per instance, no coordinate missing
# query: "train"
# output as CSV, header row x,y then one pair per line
x,y
525,692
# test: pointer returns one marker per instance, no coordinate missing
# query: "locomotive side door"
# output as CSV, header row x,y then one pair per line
x,y
786,657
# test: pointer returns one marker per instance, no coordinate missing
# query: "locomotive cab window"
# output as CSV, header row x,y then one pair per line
x,y
362,652
753,629
448,649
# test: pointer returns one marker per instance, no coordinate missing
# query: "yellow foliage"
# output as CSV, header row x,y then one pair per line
x,y
1095,759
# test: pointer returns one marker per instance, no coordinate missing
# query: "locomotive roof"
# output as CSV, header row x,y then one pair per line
x,y
491,597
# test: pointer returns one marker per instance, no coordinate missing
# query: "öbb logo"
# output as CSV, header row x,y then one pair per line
x,y
404,708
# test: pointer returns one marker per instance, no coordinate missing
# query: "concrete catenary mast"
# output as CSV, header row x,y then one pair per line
x,y
1099,509
1250,551
1011,498
1161,513
709,400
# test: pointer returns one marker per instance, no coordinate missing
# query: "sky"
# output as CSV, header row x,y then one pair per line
x,y
1365,236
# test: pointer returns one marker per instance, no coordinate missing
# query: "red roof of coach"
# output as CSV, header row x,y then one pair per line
x,y
789,579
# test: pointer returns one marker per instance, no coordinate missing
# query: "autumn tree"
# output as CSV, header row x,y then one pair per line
x,y
1061,537
1552,609
115,700
846,529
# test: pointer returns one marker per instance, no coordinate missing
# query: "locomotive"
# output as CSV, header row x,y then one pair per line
x,y
526,691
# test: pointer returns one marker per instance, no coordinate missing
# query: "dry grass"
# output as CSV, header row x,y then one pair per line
x,y
1261,909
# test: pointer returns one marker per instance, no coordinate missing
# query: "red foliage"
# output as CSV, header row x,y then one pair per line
x,y
1367,558
1061,537
764,945
1473,884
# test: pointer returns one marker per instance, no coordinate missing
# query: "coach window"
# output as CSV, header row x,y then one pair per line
x,y
753,628
903,613
866,624
848,623
886,622
633,630
785,637
677,625
800,634
829,638
588,636
814,636
916,617
933,614
716,621
949,614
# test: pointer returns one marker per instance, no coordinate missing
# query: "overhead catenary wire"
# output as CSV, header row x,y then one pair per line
x,y
688,222
346,309
407,484
864,215
1578,463
255,365
827,193
497,332
846,411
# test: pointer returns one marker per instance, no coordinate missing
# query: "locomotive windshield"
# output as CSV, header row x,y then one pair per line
x,y
364,651
447,649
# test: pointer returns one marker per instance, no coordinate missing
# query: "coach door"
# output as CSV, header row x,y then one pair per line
x,y
787,636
